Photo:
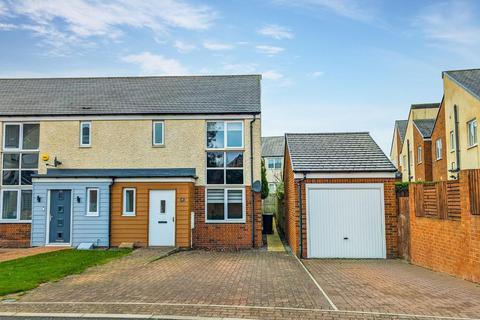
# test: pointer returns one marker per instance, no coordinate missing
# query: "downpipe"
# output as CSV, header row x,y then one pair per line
x,y
252,194
300,214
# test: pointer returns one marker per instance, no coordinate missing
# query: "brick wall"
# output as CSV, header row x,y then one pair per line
x,y
15,235
446,245
226,235
439,167
291,209
423,170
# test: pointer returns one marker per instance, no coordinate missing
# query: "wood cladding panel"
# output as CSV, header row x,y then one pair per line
x,y
135,229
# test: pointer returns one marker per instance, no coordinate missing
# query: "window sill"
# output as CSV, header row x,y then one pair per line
x,y
471,147
5,221
226,149
129,215
85,147
158,145
224,222
92,215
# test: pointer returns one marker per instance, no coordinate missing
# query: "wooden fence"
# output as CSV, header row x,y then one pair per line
x,y
474,188
438,200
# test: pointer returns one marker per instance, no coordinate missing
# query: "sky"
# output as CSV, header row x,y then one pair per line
x,y
327,65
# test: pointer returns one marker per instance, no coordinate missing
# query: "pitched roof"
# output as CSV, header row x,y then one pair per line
x,y
425,105
116,173
230,94
337,152
425,127
468,79
273,146
402,128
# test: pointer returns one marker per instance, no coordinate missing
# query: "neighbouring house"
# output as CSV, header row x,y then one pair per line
x,y
339,196
272,155
154,161
399,131
458,123
414,156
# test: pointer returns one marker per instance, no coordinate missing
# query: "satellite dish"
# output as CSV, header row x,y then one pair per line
x,y
257,186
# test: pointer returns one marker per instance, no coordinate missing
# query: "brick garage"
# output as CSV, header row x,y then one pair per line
x,y
226,235
332,159
15,235
449,244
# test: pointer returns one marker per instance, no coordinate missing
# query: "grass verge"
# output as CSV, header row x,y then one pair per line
x,y
27,273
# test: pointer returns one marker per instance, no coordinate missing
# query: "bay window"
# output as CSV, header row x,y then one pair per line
x,y
225,205
19,163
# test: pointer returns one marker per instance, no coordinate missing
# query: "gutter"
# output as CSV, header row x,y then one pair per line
x,y
251,180
300,214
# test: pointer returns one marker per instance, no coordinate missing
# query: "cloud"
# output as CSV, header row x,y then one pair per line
x,y
217,46
183,47
317,74
81,19
272,75
152,64
460,34
276,32
239,68
353,9
269,50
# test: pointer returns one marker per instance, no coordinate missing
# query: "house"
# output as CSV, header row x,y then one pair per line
x,y
339,196
457,121
414,157
397,142
154,161
272,155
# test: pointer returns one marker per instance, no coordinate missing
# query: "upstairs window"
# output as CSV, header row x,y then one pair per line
x,y
158,133
224,134
274,163
419,154
225,167
21,136
452,141
438,149
85,134
472,133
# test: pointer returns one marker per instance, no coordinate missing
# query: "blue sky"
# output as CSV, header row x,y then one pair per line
x,y
327,65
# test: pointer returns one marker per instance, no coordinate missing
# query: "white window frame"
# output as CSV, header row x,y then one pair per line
x,y
225,168
154,136
225,135
89,124
19,205
124,202
438,151
270,189
472,135
93,213
419,155
452,141
225,204
20,137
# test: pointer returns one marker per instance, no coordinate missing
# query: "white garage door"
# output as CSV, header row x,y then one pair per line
x,y
345,221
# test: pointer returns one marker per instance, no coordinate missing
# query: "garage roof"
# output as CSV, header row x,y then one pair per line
x,y
229,94
336,152
119,173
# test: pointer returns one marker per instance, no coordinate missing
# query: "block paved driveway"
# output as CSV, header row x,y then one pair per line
x,y
255,284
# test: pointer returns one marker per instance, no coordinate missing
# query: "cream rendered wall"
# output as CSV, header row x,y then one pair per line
x,y
415,114
393,151
128,144
468,108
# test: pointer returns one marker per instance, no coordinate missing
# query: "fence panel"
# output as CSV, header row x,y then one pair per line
x,y
438,200
474,186
454,208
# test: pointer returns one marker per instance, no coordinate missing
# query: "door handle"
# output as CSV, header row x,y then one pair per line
x,y
173,219
162,221
345,238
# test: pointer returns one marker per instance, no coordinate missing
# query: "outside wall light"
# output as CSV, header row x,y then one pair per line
x,y
39,199
78,199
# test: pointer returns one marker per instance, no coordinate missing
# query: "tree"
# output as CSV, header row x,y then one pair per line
x,y
265,191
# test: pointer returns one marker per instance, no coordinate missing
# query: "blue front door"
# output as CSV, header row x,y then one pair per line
x,y
60,215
